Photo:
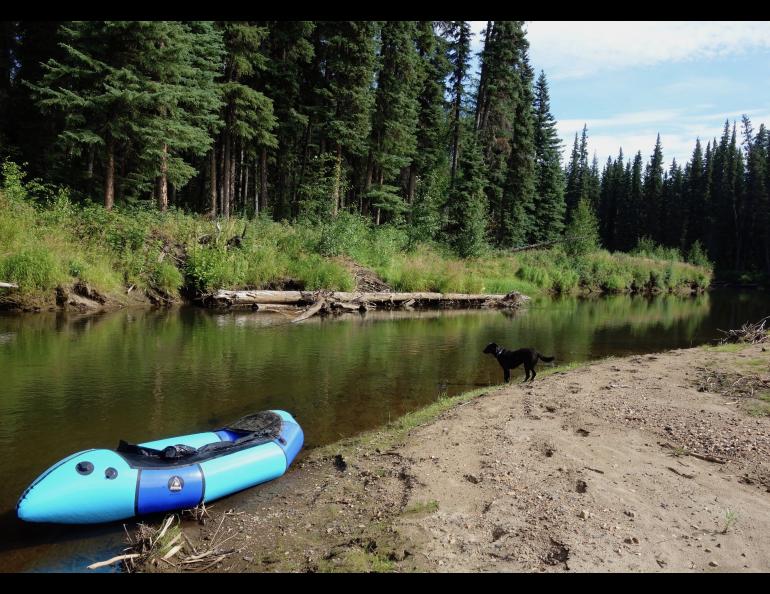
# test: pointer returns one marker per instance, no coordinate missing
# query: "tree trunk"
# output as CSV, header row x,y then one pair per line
x,y
90,170
163,180
213,181
245,191
241,178
256,188
226,178
337,180
303,167
109,175
412,184
480,97
225,193
366,206
263,178
232,196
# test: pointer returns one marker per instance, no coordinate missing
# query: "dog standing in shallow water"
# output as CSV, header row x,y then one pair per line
x,y
511,359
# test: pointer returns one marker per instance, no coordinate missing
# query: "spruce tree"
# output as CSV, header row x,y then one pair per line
x,y
181,61
577,174
756,200
582,234
458,34
695,195
549,202
394,127
125,86
629,215
345,58
430,158
290,80
652,191
520,187
593,185
673,208
248,113
606,209
95,87
496,106
468,208
504,105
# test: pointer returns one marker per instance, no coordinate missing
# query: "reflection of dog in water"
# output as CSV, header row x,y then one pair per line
x,y
511,359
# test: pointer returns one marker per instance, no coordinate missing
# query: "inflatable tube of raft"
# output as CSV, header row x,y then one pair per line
x,y
176,473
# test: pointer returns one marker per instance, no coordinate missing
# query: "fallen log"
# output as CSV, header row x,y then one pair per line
x,y
225,298
8,286
310,312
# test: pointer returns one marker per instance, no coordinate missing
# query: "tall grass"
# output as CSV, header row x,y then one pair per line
x,y
46,240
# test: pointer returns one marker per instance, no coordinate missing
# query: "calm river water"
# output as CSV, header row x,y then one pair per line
x,y
69,383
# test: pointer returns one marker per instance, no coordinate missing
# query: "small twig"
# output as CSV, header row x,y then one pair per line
x,y
212,564
675,471
594,469
113,560
693,454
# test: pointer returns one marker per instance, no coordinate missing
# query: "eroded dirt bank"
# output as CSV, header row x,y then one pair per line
x,y
588,469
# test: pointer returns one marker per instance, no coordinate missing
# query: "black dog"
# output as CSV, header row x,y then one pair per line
x,y
511,359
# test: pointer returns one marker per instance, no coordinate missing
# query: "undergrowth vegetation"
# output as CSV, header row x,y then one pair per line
x,y
46,241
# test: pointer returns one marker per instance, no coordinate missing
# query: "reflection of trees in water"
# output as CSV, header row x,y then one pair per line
x,y
71,383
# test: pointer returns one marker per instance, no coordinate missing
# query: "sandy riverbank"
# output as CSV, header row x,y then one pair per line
x,y
588,469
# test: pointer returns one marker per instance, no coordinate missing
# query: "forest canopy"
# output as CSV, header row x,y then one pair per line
x,y
303,120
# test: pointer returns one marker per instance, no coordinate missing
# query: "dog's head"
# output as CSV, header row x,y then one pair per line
x,y
490,349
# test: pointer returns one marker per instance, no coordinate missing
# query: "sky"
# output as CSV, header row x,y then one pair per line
x,y
629,81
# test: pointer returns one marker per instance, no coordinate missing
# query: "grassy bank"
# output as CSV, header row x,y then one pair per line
x,y
47,241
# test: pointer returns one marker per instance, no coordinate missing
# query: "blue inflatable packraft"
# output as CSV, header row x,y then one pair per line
x,y
169,474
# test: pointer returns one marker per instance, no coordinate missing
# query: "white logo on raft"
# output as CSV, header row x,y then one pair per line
x,y
175,483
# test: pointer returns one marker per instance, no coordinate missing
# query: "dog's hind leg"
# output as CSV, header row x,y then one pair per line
x,y
534,373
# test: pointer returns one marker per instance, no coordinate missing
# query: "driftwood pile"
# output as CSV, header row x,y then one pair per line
x,y
169,545
335,302
730,385
748,333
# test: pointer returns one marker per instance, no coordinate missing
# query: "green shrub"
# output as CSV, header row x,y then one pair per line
x,y
318,273
565,281
215,268
536,276
697,255
32,268
168,278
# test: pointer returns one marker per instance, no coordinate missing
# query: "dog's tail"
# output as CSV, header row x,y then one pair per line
x,y
544,358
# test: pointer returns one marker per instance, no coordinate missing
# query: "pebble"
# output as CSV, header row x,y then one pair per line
x,y
584,514
713,564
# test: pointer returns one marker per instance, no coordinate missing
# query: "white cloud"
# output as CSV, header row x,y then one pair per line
x,y
574,49
638,131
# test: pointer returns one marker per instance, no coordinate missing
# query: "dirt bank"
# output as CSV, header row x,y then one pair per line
x,y
647,463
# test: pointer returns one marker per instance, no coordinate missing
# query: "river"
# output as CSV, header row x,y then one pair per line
x,y
69,383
